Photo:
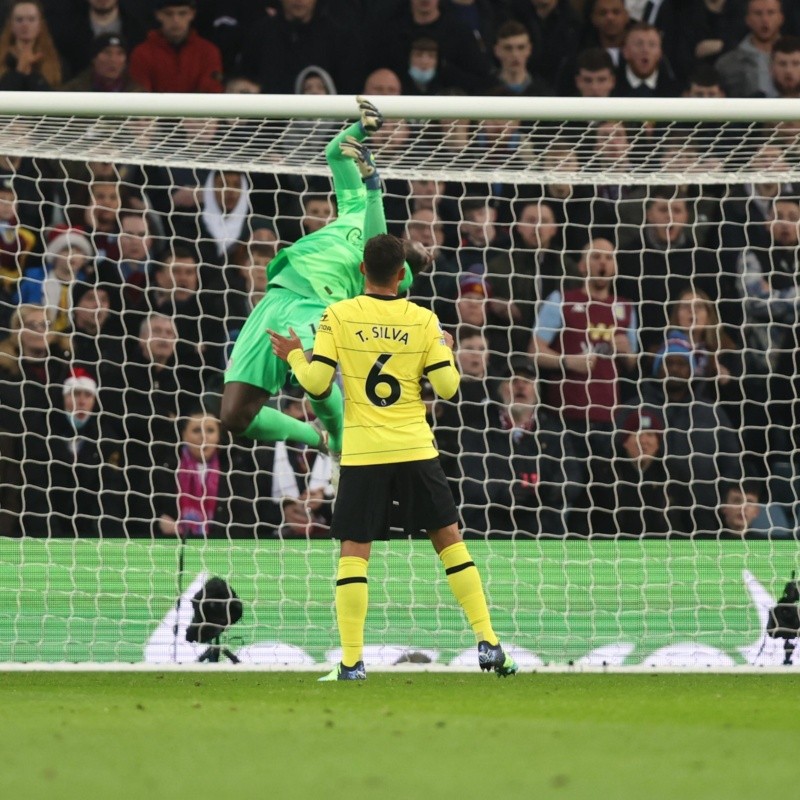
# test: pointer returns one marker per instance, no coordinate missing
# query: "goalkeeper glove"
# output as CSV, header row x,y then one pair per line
x,y
360,153
371,118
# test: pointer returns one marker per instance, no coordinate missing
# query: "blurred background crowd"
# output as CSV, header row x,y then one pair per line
x,y
629,353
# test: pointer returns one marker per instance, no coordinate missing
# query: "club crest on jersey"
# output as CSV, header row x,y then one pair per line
x,y
355,236
619,311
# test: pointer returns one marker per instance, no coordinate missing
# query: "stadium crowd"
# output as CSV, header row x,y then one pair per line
x,y
629,355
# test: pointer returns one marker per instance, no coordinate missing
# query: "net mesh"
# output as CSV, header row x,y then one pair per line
x,y
622,451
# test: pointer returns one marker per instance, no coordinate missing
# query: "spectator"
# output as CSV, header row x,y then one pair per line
x,y
513,51
470,409
669,18
660,266
480,17
739,509
72,465
594,73
645,73
530,270
224,209
613,211
299,33
238,84
609,21
588,336
175,291
634,503
148,393
700,444
478,232
785,66
554,30
769,281
514,479
459,51
704,82
318,211
425,75
17,245
78,34
314,80
382,81
98,215
129,274
473,293
29,60
718,363
216,489
745,71
718,26
96,333
301,480
436,285
33,359
769,286
175,58
226,23
68,261
108,71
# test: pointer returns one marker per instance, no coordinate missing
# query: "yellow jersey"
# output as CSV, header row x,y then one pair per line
x,y
384,345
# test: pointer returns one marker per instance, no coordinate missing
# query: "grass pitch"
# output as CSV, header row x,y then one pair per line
x,y
259,735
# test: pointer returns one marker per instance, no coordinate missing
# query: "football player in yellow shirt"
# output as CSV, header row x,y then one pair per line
x,y
384,345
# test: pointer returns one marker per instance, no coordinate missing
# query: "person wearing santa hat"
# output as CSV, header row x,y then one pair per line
x,y
68,259
71,474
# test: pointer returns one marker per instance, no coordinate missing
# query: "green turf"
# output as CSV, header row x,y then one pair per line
x,y
261,735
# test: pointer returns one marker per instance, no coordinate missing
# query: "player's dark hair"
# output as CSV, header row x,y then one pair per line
x,y
384,256
593,60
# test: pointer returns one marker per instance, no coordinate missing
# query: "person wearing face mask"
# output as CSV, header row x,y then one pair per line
x,y
424,75
71,473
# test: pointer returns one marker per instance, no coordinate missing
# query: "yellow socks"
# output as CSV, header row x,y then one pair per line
x,y
351,607
465,583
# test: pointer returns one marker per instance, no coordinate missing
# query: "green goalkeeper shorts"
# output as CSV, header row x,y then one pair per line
x,y
252,360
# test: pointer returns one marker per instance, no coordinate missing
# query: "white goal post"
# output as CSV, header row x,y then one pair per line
x,y
697,198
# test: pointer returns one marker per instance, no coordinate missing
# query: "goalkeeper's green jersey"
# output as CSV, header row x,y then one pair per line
x,y
325,264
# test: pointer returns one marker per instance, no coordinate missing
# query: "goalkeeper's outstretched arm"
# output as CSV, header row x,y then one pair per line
x,y
346,176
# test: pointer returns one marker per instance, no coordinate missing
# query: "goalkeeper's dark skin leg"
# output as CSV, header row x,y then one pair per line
x,y
240,404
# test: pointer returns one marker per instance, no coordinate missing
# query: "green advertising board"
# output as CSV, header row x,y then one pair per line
x,y
621,603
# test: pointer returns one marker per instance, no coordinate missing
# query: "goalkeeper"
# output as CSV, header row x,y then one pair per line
x,y
385,345
302,281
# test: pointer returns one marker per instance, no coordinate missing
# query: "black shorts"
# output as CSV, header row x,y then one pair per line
x,y
364,509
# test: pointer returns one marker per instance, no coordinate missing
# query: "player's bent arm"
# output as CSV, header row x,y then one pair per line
x,y
444,378
440,368
314,376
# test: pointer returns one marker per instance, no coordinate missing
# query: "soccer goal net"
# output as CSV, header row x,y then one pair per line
x,y
621,280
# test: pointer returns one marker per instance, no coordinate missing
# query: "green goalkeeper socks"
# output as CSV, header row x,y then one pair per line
x,y
270,425
330,411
